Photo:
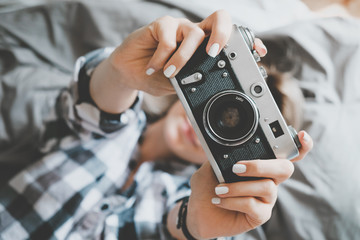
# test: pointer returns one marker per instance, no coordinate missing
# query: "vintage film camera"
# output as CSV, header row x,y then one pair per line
x,y
231,108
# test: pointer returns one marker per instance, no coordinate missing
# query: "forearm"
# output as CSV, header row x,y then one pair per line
x,y
109,94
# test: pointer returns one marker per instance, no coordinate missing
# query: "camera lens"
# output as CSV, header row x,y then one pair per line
x,y
230,117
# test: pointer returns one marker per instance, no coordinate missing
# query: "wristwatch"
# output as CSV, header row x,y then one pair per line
x,y
84,67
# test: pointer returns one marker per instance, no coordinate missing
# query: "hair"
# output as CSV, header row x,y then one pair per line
x,y
281,63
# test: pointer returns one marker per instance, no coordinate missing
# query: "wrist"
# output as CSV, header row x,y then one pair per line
x,y
108,91
182,222
192,223
177,222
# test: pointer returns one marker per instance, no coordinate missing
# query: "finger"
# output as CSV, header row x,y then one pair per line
x,y
219,26
193,37
264,189
257,211
306,145
260,48
277,169
164,31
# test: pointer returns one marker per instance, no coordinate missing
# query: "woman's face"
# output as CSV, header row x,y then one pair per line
x,y
180,135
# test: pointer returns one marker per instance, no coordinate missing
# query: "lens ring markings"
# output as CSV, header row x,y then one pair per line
x,y
230,117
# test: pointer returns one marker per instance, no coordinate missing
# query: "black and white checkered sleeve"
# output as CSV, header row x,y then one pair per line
x,y
80,111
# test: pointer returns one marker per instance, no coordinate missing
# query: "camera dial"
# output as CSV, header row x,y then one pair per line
x,y
230,118
248,36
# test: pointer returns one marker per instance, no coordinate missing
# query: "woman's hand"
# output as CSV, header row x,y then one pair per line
x,y
151,55
228,209
156,52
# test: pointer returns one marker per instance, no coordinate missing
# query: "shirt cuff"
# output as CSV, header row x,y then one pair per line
x,y
85,106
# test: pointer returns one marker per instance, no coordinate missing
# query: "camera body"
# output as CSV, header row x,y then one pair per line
x,y
231,108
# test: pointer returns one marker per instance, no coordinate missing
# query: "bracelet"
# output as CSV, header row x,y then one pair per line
x,y
181,223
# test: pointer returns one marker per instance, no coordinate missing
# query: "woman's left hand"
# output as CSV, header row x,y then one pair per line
x,y
228,209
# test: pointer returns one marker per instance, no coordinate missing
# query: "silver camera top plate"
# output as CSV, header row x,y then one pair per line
x,y
283,146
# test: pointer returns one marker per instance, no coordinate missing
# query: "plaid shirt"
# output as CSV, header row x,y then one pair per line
x,y
74,191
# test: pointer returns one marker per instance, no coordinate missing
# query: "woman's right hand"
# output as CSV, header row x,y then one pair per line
x,y
154,53
151,55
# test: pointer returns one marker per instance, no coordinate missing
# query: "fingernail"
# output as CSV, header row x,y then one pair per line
x,y
150,71
306,137
264,48
215,200
260,44
239,168
214,49
221,190
169,71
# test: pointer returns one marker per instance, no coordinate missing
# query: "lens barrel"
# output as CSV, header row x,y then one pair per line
x,y
230,118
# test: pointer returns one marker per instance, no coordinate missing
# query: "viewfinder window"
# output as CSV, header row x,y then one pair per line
x,y
276,129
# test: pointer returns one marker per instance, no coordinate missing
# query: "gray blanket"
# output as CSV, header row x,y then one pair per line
x,y
38,47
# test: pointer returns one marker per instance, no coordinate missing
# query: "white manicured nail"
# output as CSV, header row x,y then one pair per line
x,y
221,190
214,49
306,137
150,71
215,200
239,168
169,71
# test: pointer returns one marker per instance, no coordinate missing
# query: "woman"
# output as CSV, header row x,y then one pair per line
x,y
127,64
83,190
